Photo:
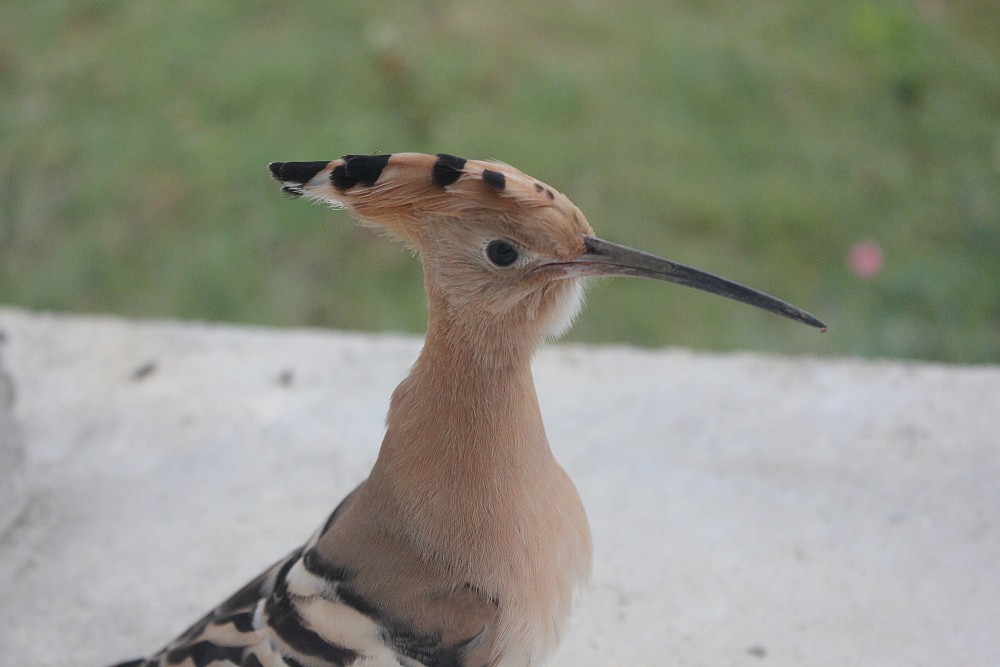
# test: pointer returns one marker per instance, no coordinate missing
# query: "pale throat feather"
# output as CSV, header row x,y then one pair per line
x,y
567,297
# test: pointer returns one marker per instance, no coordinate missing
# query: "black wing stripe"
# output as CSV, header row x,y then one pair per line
x,y
424,648
284,619
205,653
242,621
316,565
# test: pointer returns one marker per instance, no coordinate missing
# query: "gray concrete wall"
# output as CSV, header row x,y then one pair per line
x,y
746,509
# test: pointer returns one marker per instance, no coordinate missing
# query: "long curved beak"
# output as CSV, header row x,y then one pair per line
x,y
604,258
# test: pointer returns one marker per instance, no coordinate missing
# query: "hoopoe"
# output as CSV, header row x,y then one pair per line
x,y
466,542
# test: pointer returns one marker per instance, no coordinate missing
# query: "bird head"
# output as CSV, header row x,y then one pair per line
x,y
498,246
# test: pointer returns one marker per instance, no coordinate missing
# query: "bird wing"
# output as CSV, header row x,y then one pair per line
x,y
305,612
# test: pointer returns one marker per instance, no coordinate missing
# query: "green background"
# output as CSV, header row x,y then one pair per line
x,y
758,140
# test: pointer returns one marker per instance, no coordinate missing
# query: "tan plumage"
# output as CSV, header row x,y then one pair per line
x,y
466,541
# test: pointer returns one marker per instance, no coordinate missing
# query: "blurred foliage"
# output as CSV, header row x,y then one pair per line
x,y
761,141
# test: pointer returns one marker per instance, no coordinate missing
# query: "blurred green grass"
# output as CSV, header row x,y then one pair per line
x,y
756,140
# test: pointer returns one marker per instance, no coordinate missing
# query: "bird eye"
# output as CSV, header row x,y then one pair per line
x,y
501,253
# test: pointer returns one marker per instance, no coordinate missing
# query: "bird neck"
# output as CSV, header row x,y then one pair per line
x,y
465,449
465,477
467,412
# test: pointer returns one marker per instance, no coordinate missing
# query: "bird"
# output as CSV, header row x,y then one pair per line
x,y
466,543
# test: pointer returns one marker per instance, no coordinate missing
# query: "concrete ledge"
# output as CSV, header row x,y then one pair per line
x,y
747,510
12,492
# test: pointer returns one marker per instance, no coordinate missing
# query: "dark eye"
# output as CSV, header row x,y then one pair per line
x,y
501,253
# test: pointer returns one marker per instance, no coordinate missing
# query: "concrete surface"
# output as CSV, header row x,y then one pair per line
x,y
747,509
12,490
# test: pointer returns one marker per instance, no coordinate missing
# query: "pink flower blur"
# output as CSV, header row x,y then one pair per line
x,y
865,259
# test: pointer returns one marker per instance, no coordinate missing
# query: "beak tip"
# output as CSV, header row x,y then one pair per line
x,y
814,321
807,318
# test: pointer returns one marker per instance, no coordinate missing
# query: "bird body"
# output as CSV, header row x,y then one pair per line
x,y
464,545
